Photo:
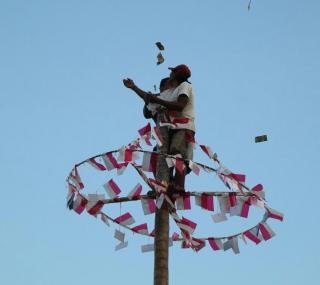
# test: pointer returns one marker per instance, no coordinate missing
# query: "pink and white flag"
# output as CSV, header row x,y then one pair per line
x,y
153,233
112,189
148,206
179,163
104,219
157,136
232,199
257,188
119,235
175,236
186,225
274,214
207,150
216,244
157,185
96,164
197,244
149,162
75,178
183,202
79,204
94,207
205,202
141,229
224,204
122,167
125,219
135,192
253,235
194,167
109,161
232,243
238,177
266,231
146,130
245,208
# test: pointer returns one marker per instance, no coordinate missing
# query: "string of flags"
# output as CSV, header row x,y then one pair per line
x,y
236,201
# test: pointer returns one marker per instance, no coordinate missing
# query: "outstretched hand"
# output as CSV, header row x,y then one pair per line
x,y
129,83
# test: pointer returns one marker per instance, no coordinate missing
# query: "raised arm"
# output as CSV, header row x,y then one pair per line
x,y
129,83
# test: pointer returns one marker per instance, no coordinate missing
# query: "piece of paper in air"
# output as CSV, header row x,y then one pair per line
x,y
262,138
160,45
160,58
219,217
121,245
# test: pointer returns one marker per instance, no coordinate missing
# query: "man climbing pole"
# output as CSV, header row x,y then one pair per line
x,y
177,113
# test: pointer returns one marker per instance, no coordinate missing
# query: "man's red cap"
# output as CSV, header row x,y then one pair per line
x,y
182,69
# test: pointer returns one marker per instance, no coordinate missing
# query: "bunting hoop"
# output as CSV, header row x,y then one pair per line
x,y
235,201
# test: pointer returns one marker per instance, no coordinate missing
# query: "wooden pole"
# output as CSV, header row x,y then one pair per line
x,y
161,246
161,240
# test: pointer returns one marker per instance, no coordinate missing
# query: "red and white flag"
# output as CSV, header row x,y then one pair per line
x,y
232,199
232,243
257,188
157,136
183,202
266,231
205,202
245,208
197,244
238,177
141,229
149,162
274,214
109,161
148,206
104,219
157,185
75,178
186,225
194,167
179,163
216,244
146,130
207,150
112,189
175,236
119,235
135,192
125,219
96,164
253,235
79,204
94,207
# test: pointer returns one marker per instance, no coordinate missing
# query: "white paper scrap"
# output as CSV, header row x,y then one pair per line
x,y
147,247
121,245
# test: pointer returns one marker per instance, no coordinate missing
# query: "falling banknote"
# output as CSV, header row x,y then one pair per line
x,y
160,58
262,138
160,45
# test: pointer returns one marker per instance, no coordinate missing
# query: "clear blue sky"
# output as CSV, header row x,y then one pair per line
x,y
62,100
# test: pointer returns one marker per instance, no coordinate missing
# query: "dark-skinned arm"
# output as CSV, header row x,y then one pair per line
x,y
173,106
129,83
